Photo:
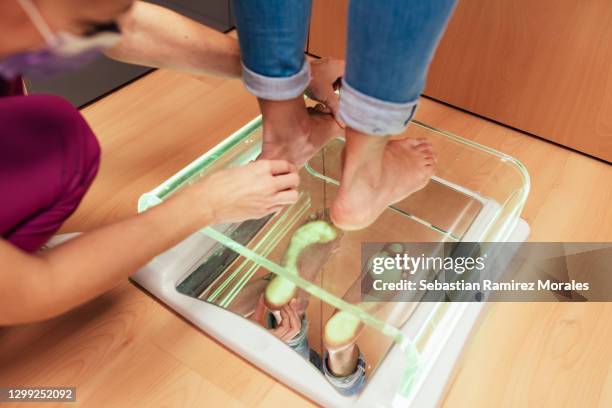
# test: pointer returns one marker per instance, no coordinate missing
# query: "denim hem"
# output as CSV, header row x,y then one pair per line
x,y
276,88
371,115
350,384
301,337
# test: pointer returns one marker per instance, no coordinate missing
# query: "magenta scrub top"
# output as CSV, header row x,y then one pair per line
x,y
48,159
11,88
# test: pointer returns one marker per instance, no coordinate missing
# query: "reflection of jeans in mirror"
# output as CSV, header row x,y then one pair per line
x,y
348,385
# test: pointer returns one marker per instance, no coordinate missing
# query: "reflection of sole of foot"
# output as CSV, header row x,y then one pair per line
x,y
341,331
309,248
279,292
299,149
406,167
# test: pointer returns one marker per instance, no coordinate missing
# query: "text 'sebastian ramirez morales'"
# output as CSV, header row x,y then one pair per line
x,y
385,266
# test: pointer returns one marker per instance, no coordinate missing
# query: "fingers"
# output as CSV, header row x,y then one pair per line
x,y
285,197
290,324
291,321
279,180
333,104
260,311
285,173
284,330
283,327
327,73
335,68
280,167
287,181
275,209
294,319
319,107
338,67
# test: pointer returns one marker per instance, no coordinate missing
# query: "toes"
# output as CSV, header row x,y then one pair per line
x,y
320,214
424,145
413,142
420,144
426,149
430,154
429,161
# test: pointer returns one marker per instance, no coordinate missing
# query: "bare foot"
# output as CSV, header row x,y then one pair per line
x,y
339,337
311,262
295,133
309,249
391,171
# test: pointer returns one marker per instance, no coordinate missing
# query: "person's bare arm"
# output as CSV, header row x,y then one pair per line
x,y
40,286
36,287
158,37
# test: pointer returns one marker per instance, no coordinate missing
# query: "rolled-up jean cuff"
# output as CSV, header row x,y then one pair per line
x,y
276,88
350,384
374,116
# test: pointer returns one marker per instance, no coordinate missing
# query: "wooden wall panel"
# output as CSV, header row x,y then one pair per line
x,y
328,24
543,66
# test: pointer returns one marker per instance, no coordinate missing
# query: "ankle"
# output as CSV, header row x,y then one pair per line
x,y
343,362
363,145
363,156
284,120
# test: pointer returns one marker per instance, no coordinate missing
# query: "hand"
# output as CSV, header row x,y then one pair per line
x,y
325,74
247,192
290,324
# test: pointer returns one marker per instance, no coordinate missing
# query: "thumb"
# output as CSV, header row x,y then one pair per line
x,y
333,104
260,311
319,107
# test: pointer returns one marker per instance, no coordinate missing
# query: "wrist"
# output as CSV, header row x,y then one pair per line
x,y
189,208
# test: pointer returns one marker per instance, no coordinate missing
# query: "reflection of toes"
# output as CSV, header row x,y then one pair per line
x,y
309,237
279,292
324,214
320,214
341,330
394,248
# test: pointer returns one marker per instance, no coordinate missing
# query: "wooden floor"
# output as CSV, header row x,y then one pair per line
x,y
125,349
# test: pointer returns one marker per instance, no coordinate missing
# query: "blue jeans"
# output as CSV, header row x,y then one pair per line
x,y
348,385
390,46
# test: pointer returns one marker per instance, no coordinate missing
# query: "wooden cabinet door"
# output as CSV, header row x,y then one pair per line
x,y
328,22
544,66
